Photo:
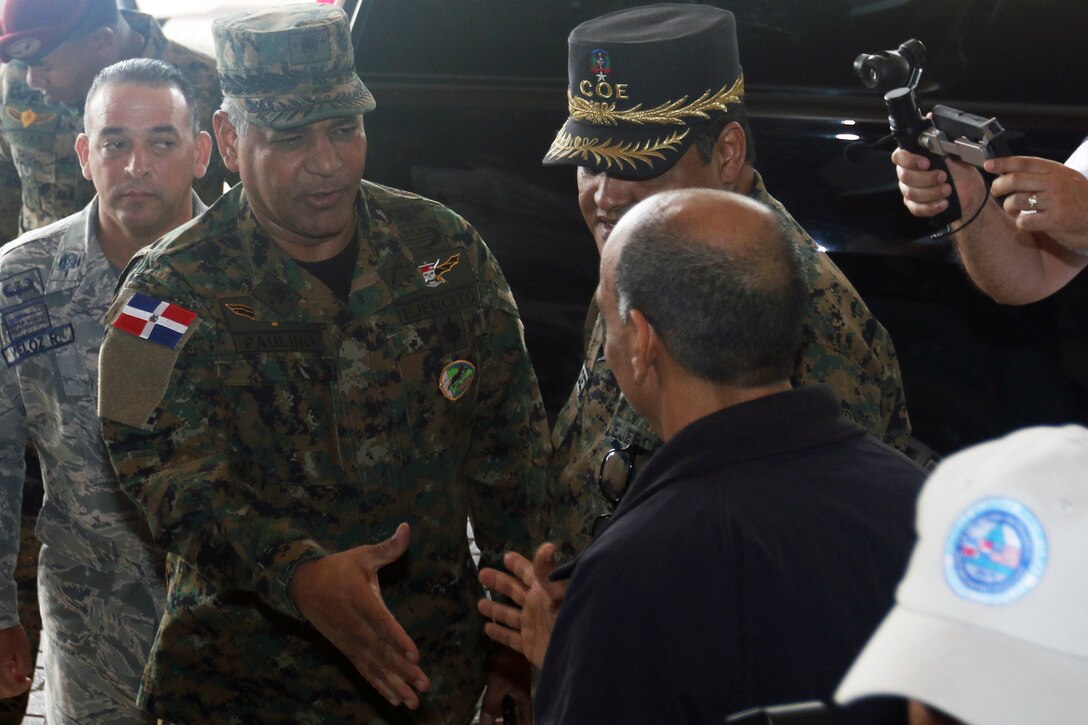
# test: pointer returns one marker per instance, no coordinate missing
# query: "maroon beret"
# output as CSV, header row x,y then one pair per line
x,y
33,28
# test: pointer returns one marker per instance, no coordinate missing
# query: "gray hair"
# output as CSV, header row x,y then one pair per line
x,y
146,72
237,117
730,316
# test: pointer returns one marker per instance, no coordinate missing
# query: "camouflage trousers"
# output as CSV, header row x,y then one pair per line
x,y
26,576
100,626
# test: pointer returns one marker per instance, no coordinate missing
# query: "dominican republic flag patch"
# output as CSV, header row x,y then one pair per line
x,y
160,322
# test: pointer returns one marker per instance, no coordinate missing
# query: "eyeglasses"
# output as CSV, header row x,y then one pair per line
x,y
612,479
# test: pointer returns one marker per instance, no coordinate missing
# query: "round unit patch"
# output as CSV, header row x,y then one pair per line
x,y
456,378
995,553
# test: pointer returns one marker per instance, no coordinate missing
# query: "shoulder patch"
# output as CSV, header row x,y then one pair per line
x,y
133,375
20,287
164,323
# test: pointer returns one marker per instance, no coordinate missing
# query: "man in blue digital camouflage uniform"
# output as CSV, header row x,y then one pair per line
x,y
101,581
318,379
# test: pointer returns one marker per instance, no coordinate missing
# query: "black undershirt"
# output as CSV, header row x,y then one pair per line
x,y
337,271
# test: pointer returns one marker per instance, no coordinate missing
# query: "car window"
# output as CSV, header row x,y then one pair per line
x,y
783,43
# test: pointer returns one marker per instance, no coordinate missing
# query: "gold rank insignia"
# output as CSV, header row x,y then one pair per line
x,y
241,310
28,117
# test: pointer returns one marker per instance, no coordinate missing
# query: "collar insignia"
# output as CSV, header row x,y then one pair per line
x,y
28,117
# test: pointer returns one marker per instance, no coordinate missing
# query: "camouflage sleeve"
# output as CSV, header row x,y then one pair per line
x,y
897,431
507,462
173,441
11,195
873,401
13,437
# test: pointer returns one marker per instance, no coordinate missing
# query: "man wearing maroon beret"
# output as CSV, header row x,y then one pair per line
x,y
52,50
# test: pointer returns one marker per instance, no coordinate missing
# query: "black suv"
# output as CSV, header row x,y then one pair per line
x,y
470,94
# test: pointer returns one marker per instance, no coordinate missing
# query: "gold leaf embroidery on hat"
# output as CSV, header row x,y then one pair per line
x,y
670,112
566,146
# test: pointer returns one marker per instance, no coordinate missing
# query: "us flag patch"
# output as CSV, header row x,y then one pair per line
x,y
160,322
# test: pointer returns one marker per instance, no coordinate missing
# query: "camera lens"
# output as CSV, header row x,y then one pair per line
x,y
882,70
867,68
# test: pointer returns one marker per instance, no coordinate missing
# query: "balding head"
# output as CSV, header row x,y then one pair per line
x,y
717,277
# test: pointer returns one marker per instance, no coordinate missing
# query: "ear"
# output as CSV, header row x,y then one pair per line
x,y
645,349
730,153
203,143
227,139
83,149
104,43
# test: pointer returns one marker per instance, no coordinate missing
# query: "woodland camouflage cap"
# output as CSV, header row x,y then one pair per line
x,y
290,66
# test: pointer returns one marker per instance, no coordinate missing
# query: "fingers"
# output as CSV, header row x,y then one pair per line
x,y
504,584
15,663
1022,202
544,564
378,653
504,636
510,616
925,192
11,688
12,682
491,705
521,567
905,159
1012,164
544,560
396,679
388,551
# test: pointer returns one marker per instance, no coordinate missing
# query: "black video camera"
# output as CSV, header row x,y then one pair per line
x,y
963,136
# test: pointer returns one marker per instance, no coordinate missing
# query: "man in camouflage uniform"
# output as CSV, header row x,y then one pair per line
x,y
101,578
652,111
317,379
52,50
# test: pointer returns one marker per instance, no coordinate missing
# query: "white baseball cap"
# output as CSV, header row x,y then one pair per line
x,y
991,620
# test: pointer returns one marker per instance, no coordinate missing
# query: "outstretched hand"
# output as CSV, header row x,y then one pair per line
x,y
526,625
339,594
15,669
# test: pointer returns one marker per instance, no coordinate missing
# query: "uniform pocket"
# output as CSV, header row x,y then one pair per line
x,y
285,409
440,391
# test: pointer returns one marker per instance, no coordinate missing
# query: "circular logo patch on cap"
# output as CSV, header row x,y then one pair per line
x,y
456,378
995,553
23,48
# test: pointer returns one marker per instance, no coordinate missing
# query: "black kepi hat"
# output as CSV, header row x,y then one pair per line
x,y
642,82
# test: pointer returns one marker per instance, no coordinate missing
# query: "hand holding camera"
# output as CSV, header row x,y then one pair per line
x,y
948,132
